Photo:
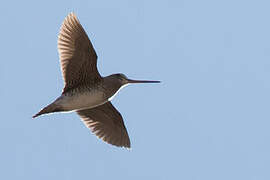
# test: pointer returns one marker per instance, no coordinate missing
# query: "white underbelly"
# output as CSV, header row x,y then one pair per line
x,y
81,101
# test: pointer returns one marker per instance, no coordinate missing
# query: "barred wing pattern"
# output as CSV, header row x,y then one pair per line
x,y
77,56
106,123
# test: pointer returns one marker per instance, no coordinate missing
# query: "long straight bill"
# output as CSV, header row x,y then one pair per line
x,y
141,81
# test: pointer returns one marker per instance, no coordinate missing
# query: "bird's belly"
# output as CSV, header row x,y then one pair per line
x,y
82,101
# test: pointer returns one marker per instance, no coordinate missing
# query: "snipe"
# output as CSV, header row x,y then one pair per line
x,y
85,90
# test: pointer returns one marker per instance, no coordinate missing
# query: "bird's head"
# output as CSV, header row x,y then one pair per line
x,y
124,80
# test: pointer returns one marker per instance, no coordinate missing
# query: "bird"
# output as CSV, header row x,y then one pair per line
x,y
85,91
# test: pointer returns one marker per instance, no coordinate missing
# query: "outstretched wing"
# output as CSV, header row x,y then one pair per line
x,y
107,123
77,56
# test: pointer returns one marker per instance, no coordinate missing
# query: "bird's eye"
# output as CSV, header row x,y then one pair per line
x,y
123,76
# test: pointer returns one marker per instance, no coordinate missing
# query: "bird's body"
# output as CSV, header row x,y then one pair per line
x,y
85,91
88,96
81,99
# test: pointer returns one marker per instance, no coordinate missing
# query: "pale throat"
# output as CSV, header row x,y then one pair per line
x,y
110,98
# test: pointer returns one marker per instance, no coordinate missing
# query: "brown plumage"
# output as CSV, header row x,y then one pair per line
x,y
85,91
107,123
77,56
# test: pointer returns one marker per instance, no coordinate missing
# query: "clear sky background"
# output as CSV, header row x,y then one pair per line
x,y
209,119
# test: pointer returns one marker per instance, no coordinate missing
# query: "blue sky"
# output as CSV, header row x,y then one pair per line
x,y
209,118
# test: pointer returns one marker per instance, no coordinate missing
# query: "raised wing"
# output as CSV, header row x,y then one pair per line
x,y
77,56
107,123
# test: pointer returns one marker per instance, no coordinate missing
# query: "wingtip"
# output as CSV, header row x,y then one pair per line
x,y
127,148
126,145
72,14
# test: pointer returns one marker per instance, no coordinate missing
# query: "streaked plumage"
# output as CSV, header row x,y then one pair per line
x,y
85,91
77,55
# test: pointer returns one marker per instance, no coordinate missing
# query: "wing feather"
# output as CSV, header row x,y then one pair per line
x,y
106,123
77,56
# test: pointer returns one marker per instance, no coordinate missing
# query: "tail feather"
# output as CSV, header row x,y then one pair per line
x,y
48,109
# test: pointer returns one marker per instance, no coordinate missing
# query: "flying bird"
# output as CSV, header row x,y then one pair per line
x,y
85,90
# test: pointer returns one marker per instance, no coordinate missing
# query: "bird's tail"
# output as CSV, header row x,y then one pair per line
x,y
48,109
